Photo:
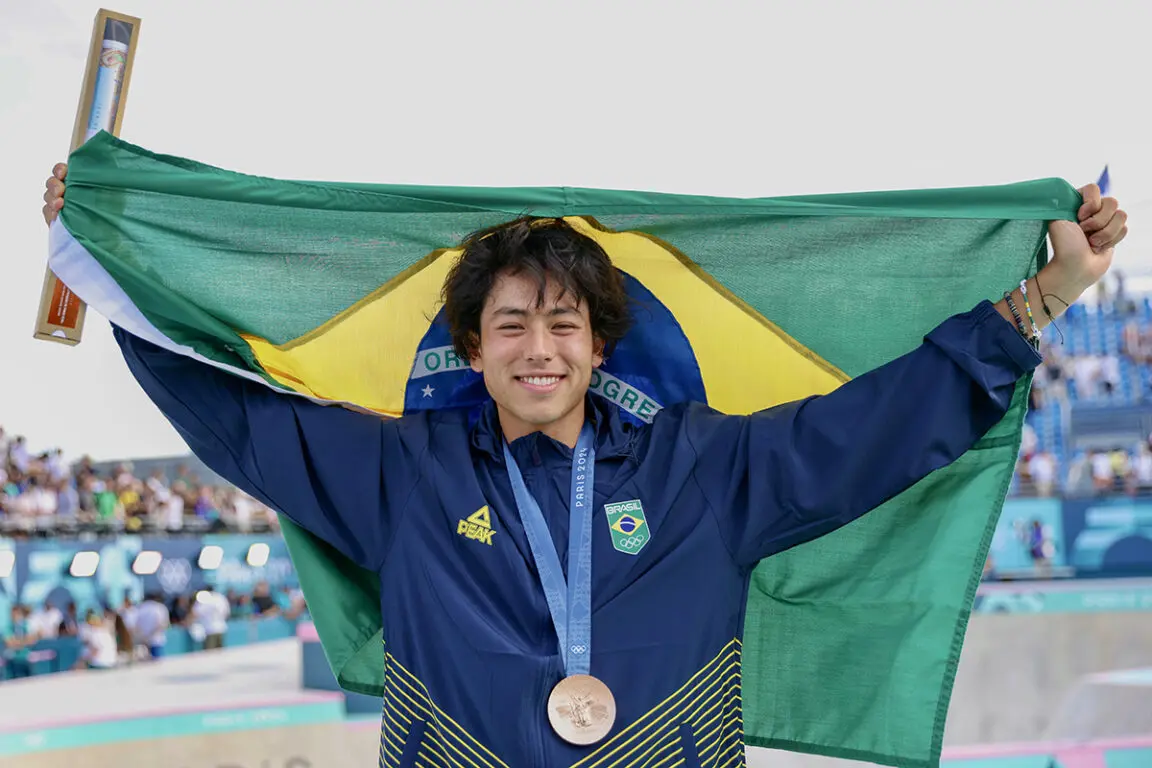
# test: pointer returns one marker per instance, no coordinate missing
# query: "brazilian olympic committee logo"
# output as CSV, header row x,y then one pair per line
x,y
627,525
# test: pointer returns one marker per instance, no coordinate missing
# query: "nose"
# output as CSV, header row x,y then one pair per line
x,y
539,345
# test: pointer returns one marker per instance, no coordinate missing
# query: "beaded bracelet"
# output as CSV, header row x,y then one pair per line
x,y
1028,309
1016,314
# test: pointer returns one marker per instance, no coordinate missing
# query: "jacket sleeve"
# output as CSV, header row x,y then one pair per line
x,y
795,472
322,466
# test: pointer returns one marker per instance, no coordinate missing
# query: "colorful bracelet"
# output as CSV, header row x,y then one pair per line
x,y
1016,314
1028,309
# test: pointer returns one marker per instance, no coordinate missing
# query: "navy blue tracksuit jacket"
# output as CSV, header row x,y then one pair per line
x,y
471,653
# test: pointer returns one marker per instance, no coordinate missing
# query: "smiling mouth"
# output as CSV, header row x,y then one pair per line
x,y
540,382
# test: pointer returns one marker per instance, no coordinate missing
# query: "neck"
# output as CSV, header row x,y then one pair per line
x,y
565,429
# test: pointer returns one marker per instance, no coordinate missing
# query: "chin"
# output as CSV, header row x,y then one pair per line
x,y
543,414
541,418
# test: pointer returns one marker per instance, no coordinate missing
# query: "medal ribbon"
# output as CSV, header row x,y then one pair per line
x,y
570,603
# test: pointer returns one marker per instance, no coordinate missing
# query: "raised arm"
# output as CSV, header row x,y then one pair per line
x,y
321,466
793,473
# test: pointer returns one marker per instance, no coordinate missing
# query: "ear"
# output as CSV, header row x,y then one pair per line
x,y
597,352
475,361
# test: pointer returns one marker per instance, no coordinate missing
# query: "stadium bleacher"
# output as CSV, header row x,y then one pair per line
x,y
1092,398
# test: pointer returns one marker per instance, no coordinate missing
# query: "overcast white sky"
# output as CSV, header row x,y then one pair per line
x,y
753,98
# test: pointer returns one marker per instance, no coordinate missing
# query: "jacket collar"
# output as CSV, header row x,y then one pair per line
x,y
614,438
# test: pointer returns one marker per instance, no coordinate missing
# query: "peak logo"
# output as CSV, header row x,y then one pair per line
x,y
477,526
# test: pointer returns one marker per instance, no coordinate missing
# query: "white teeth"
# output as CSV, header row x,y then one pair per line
x,y
540,381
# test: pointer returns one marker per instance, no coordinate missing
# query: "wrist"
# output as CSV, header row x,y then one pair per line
x,y
1054,280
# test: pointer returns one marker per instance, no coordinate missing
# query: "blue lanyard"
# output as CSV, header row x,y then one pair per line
x,y
569,603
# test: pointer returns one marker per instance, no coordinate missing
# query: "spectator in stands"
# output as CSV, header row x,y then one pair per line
x,y
1043,470
210,615
1140,479
130,501
174,507
151,626
1103,477
16,645
85,627
291,602
156,484
206,508
263,601
1086,374
18,455
45,622
242,506
70,624
38,492
108,509
125,646
1132,343
127,613
41,498
242,607
1121,468
67,499
1028,442
181,611
54,464
99,639
87,492
1109,375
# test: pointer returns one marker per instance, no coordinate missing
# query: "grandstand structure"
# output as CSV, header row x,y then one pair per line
x,y
1093,395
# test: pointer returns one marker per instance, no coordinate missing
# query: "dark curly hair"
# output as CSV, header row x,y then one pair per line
x,y
541,248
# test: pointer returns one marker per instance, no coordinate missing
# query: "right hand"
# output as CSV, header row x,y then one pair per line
x,y
54,194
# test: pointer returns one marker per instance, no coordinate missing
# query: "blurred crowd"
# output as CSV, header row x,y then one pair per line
x,y
1120,470
131,632
39,491
1093,379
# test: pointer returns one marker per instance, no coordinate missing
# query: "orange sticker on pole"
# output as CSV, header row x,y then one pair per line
x,y
60,317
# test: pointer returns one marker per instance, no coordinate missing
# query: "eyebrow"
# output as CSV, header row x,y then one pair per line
x,y
521,312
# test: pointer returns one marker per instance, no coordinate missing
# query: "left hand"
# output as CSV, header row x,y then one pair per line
x,y
1082,251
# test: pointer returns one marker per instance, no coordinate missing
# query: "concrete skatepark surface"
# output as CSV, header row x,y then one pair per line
x,y
1018,672
222,709
314,746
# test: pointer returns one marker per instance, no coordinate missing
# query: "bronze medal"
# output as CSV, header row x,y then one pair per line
x,y
581,710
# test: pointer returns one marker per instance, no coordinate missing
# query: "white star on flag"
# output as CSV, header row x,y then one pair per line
x,y
428,390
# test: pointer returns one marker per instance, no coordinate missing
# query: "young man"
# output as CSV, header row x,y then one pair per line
x,y
518,630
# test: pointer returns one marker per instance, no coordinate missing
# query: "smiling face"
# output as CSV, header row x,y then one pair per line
x,y
536,357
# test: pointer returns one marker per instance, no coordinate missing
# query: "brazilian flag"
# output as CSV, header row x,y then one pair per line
x,y
330,291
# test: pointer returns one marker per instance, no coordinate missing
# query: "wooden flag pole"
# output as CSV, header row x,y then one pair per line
x,y
103,95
